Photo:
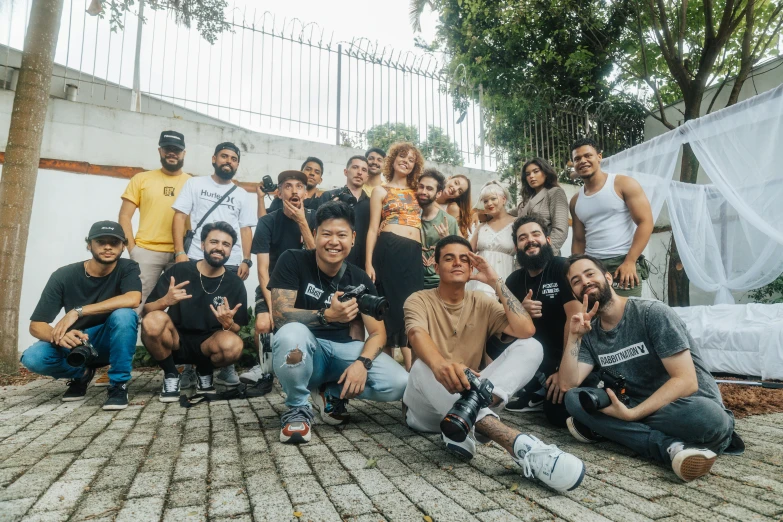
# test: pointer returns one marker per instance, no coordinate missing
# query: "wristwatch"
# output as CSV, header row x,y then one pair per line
x,y
322,317
248,262
78,310
365,361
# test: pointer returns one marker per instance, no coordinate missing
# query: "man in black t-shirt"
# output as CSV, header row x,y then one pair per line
x,y
99,296
313,169
312,348
288,228
206,309
542,288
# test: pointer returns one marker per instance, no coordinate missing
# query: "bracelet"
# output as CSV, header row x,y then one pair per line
x,y
177,254
229,326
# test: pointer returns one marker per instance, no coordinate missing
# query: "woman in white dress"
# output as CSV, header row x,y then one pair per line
x,y
492,240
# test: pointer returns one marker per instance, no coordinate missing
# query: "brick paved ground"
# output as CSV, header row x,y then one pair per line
x,y
72,461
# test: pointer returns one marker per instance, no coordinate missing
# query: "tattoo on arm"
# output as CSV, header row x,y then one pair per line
x,y
575,349
514,306
380,348
283,310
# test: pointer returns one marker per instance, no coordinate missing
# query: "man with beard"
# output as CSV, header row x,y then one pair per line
x,y
206,309
361,210
448,328
541,286
99,296
280,230
435,223
313,168
671,409
612,220
375,157
153,192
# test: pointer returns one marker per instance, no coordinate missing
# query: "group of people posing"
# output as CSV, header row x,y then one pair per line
x,y
485,311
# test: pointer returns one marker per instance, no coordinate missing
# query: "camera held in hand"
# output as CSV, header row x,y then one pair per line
x,y
267,185
346,196
462,416
595,399
83,355
372,305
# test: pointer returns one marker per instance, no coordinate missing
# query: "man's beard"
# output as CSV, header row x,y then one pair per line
x,y
373,174
172,168
212,262
310,187
537,261
603,297
427,203
219,172
97,256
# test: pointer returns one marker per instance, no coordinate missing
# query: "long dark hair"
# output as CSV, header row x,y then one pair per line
x,y
464,204
549,181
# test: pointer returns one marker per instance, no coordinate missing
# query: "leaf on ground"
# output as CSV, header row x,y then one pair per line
x,y
427,518
514,487
297,514
371,463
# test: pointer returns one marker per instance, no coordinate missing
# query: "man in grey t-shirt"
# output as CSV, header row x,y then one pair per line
x,y
674,412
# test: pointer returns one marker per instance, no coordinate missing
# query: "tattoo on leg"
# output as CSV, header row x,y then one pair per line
x,y
492,428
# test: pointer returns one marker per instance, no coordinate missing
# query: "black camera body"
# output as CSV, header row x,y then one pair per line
x,y
458,422
346,196
268,185
595,399
372,305
83,355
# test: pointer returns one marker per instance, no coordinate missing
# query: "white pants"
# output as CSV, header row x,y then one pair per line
x,y
428,401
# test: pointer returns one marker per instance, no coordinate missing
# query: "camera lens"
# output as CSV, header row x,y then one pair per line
x,y
76,358
374,306
594,399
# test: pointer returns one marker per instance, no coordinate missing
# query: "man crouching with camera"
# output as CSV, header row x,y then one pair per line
x,y
99,327
658,398
315,296
448,328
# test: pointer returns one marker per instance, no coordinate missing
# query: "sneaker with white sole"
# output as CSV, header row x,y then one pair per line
x,y
525,402
690,463
252,376
169,392
582,433
295,425
205,383
77,388
548,464
333,411
227,376
465,449
116,397
188,377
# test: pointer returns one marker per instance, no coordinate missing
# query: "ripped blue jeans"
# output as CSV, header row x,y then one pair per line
x,y
323,362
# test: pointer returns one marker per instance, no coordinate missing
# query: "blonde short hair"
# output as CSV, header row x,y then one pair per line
x,y
493,187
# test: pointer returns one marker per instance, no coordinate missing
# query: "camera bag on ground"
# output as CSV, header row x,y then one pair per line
x,y
191,233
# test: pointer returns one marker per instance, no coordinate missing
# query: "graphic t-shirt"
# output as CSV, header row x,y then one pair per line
x,y
276,233
194,316
69,286
361,214
648,332
154,192
430,236
197,197
476,319
297,270
552,289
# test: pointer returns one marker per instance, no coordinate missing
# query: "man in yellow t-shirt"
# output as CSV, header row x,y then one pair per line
x,y
153,192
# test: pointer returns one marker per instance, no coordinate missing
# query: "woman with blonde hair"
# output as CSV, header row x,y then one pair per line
x,y
393,259
542,196
493,240
455,200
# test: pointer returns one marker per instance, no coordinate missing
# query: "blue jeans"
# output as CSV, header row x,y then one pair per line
x,y
115,341
324,362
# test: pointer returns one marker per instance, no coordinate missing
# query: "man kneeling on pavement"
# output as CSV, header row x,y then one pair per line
x,y
668,408
448,329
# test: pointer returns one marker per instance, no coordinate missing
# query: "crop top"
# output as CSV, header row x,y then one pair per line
x,y
400,207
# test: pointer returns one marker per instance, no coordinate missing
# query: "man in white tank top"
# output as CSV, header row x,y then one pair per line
x,y
612,220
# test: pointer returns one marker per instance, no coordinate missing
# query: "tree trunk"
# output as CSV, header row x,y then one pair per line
x,y
20,171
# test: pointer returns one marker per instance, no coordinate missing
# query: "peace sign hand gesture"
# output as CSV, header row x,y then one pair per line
x,y
225,314
176,293
580,323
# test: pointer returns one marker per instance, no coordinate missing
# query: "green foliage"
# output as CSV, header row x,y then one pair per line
x,y
385,134
438,147
769,294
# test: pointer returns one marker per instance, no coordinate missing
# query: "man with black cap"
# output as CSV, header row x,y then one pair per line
x,y
209,199
99,296
280,230
153,192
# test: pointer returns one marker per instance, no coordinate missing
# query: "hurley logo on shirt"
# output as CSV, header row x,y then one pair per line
x,y
627,353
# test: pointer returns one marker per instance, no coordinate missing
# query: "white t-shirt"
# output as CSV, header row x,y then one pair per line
x,y
198,195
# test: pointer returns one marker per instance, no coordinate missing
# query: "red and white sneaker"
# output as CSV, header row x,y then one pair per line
x,y
295,425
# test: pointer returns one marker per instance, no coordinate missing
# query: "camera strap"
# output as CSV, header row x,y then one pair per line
x,y
216,205
334,283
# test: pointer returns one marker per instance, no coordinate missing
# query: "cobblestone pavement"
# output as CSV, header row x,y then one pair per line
x,y
223,461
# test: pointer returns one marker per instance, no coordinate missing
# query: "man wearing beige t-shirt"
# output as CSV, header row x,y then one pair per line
x,y
448,328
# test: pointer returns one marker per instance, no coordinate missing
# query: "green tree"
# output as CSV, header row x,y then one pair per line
x,y
438,147
23,150
384,134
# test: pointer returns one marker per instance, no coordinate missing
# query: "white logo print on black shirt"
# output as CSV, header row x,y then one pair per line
x,y
629,352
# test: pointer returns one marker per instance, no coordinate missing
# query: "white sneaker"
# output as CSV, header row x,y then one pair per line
x,y
188,377
553,467
465,449
691,463
227,376
253,375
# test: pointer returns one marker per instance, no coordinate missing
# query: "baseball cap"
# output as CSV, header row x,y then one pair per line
x,y
106,228
228,145
291,174
172,139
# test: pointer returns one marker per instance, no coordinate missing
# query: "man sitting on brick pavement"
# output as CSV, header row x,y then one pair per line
x,y
206,309
670,409
448,329
313,353
99,295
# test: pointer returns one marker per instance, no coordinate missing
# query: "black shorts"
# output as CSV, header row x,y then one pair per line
x,y
261,306
190,347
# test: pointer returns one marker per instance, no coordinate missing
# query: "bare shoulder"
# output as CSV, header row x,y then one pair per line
x,y
625,185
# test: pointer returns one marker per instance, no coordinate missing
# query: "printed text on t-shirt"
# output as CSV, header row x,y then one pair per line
x,y
627,353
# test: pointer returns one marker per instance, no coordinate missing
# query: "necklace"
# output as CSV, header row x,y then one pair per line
x,y
201,280
543,273
448,315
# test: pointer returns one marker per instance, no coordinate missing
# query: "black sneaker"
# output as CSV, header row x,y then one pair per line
x,y
582,433
77,388
526,401
169,392
117,397
205,383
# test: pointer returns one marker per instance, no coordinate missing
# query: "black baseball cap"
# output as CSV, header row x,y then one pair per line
x,y
291,174
228,145
172,139
106,228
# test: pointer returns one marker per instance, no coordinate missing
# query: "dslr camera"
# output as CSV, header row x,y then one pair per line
x,y
346,196
372,305
595,399
268,185
462,416
83,355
